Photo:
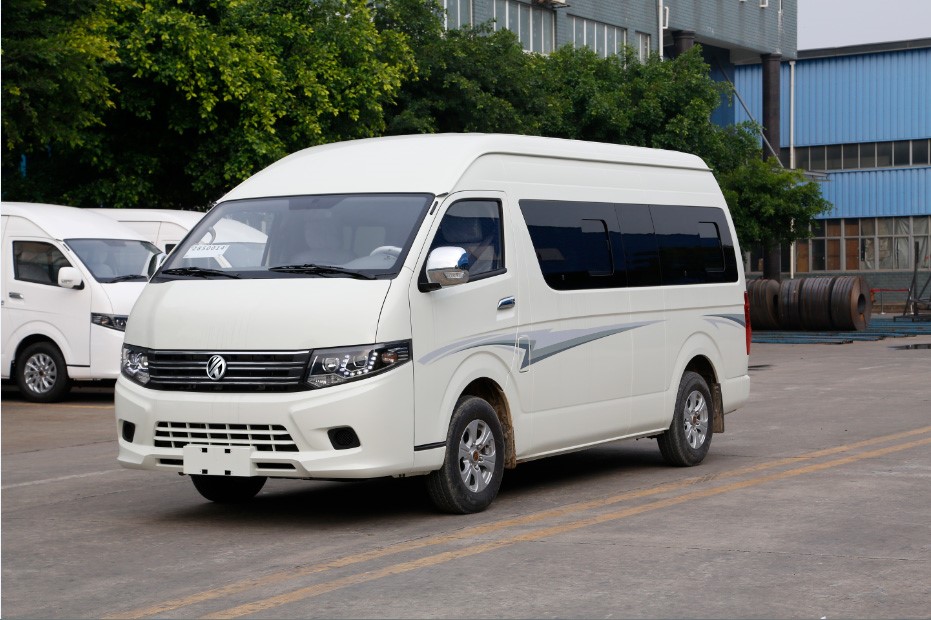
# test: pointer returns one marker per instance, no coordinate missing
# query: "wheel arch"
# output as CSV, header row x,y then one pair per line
x,y
31,340
492,393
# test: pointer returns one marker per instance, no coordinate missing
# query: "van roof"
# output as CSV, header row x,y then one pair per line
x,y
427,163
61,222
186,219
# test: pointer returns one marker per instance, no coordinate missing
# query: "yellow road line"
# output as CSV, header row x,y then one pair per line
x,y
479,530
542,533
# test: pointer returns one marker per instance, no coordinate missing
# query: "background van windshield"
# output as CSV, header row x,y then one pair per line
x,y
115,259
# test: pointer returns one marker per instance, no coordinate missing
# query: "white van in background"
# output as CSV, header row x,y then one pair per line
x,y
439,305
163,227
69,279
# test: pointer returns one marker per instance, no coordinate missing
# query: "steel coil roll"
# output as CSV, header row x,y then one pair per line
x,y
850,303
764,303
815,303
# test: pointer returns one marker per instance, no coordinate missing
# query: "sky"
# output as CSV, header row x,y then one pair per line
x,y
835,23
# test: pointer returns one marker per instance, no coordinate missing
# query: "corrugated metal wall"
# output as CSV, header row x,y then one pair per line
x,y
864,98
879,193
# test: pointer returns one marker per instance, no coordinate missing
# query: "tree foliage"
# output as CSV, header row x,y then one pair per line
x,y
54,82
769,203
211,91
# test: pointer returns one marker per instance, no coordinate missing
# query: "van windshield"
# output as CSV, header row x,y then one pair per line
x,y
338,235
115,260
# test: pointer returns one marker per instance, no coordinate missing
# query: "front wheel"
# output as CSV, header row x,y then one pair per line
x,y
689,436
473,468
41,373
228,489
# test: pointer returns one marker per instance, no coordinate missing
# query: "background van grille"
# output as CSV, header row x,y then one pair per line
x,y
246,371
261,437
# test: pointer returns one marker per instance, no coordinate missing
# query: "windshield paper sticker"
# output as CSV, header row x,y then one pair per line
x,y
202,250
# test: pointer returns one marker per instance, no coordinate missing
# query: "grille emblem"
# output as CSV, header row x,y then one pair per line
x,y
216,367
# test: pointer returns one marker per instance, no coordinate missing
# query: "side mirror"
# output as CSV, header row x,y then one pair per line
x,y
448,266
69,277
155,262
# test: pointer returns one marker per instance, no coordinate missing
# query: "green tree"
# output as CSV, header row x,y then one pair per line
x,y
211,91
54,83
770,204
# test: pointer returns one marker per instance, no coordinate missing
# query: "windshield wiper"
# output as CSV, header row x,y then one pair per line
x,y
198,272
321,270
126,278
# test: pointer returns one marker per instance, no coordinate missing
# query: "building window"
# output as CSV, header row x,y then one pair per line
x,y
458,13
862,156
603,39
643,46
535,27
858,244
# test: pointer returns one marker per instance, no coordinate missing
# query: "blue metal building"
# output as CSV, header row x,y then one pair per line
x,y
861,117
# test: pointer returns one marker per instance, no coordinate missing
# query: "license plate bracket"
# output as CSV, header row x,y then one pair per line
x,y
218,460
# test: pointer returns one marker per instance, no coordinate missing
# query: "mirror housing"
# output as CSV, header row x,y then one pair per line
x,y
448,266
155,263
69,277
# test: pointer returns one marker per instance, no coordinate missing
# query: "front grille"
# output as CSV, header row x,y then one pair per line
x,y
246,371
261,437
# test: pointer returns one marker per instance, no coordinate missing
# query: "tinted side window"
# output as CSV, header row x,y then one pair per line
x,y
694,244
577,244
640,245
37,262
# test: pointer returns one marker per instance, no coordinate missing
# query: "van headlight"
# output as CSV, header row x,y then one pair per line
x,y
340,365
113,321
135,364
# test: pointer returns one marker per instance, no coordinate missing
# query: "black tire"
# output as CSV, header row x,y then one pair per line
x,y
689,436
473,468
41,373
228,489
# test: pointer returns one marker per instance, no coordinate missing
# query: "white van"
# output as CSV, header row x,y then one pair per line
x,y
440,305
69,280
163,227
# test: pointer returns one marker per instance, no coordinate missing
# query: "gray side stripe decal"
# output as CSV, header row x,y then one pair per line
x,y
736,318
537,345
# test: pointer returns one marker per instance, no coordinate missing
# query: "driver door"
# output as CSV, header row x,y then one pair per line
x,y
469,330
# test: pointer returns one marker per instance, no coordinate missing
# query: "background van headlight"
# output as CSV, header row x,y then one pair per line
x,y
340,365
113,321
135,364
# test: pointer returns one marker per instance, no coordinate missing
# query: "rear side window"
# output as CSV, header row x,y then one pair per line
x,y
695,246
576,243
34,261
582,245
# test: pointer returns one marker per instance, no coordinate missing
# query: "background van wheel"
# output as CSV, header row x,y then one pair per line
x,y
471,474
41,373
228,489
689,436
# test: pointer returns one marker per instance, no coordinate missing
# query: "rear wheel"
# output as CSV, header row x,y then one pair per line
x,y
473,468
228,489
41,373
689,436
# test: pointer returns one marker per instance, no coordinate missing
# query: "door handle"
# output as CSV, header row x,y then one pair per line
x,y
16,295
507,302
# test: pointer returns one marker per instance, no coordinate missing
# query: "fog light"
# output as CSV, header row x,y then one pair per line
x,y
128,431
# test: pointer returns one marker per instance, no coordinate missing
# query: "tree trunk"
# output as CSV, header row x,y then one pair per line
x,y
772,261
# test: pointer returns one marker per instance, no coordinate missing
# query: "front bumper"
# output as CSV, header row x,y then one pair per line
x,y
379,409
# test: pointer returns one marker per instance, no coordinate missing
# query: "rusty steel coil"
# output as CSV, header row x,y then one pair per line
x,y
789,312
764,303
850,303
815,303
